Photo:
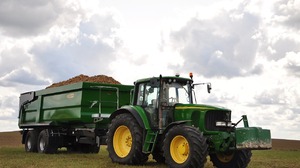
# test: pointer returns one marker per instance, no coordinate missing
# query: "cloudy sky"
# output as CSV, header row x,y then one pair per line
x,y
248,49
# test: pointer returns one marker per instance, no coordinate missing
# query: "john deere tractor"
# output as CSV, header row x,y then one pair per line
x,y
158,116
164,120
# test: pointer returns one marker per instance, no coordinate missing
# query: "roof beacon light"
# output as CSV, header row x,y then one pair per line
x,y
191,75
177,75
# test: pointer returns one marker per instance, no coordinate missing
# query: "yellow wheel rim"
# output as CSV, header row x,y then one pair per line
x,y
122,141
179,149
225,158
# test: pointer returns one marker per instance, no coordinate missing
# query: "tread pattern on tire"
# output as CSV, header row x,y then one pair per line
x,y
135,156
31,136
197,145
50,142
240,159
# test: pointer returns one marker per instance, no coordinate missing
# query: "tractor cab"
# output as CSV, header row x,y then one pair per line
x,y
159,95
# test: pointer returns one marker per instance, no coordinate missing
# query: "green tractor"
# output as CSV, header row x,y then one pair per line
x,y
165,120
158,116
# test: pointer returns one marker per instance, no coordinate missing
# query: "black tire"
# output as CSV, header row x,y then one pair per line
x,y
131,152
31,141
46,143
236,159
187,145
158,153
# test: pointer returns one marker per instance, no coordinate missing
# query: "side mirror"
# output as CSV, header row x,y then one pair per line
x,y
208,87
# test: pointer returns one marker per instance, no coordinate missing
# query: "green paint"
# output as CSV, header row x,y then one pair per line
x,y
253,138
75,103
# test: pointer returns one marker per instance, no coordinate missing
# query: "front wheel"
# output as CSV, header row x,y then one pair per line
x,y
238,159
185,146
125,140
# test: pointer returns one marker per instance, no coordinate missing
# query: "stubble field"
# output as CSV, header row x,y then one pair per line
x,y
285,154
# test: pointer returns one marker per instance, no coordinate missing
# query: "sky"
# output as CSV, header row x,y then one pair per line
x,y
248,49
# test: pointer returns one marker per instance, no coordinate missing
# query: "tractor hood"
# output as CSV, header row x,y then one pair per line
x,y
202,107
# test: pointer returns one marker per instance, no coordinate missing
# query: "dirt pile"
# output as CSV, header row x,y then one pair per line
x,y
85,78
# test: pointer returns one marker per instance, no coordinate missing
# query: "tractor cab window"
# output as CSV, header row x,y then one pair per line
x,y
147,98
147,95
175,92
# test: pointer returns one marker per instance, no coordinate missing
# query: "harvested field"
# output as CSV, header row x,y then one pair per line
x,y
10,139
285,154
280,144
85,78
14,139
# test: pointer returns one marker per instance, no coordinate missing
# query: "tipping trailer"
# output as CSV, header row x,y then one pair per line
x,y
74,116
158,116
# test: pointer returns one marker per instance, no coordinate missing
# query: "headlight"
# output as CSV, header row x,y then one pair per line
x,y
223,124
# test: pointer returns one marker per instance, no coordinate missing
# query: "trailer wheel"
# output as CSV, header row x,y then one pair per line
x,y
46,143
239,159
124,140
31,141
185,146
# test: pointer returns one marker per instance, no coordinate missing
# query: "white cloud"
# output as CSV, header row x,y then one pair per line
x,y
26,18
247,49
220,46
8,125
22,76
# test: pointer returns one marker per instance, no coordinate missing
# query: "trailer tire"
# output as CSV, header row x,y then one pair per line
x,y
31,141
125,140
238,159
185,146
46,143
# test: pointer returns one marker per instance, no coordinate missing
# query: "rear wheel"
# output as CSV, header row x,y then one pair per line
x,y
124,140
31,141
238,159
185,146
46,143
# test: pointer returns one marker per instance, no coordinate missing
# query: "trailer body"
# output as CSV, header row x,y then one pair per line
x,y
76,113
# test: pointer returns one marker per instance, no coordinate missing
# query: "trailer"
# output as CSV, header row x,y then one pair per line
x,y
74,116
158,116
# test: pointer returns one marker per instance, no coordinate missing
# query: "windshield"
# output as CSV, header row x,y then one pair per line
x,y
176,93
172,92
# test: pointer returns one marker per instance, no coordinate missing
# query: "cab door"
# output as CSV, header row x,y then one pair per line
x,y
147,98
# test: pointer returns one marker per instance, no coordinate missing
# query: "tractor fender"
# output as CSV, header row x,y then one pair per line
x,y
136,111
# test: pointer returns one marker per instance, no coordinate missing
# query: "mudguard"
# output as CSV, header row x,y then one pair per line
x,y
137,112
